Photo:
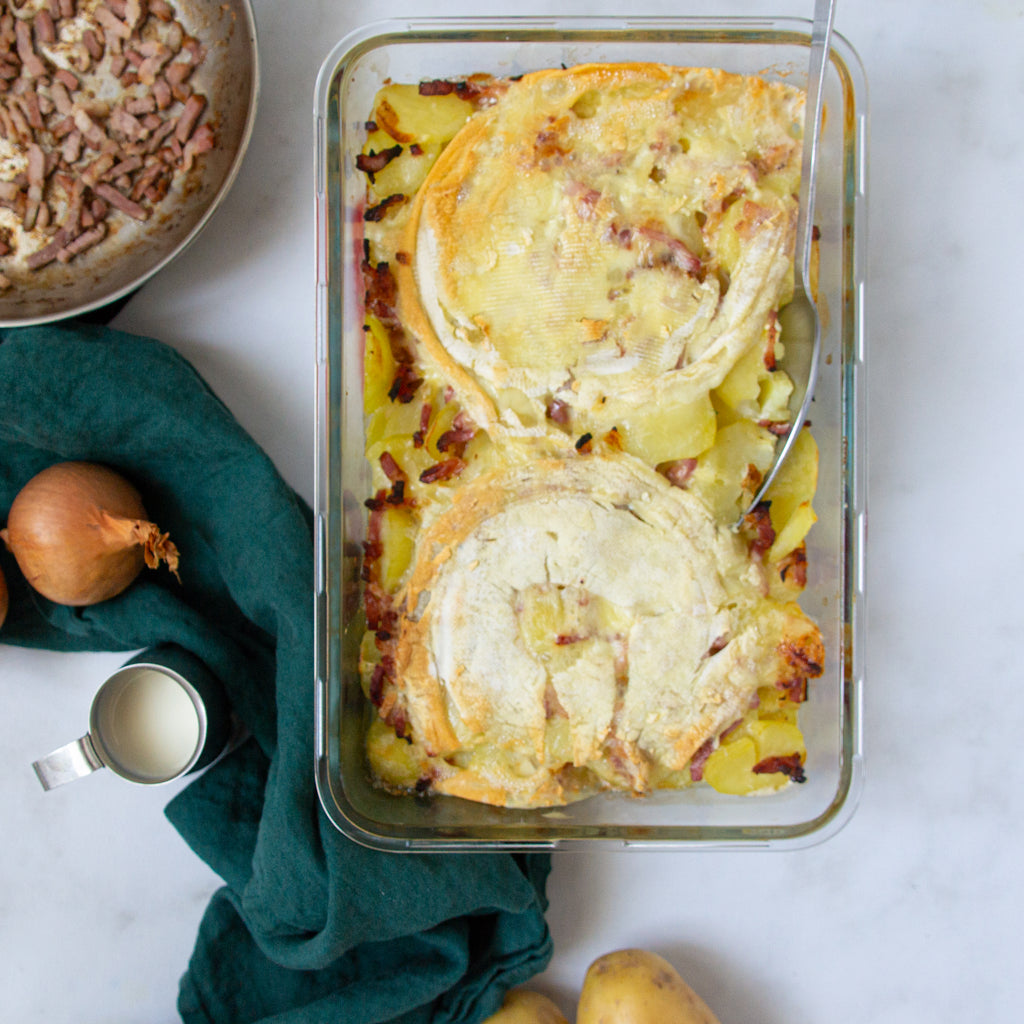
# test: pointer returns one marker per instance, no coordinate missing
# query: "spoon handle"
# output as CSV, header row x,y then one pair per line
x,y
801,315
821,34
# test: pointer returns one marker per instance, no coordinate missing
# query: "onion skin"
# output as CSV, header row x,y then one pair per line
x,y
80,534
3,598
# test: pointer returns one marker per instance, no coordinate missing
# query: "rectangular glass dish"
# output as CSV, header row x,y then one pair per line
x,y
696,816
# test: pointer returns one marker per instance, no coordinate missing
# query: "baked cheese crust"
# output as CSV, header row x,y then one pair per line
x,y
591,592
574,241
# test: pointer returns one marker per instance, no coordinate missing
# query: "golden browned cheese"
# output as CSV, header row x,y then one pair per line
x,y
587,282
570,609
578,240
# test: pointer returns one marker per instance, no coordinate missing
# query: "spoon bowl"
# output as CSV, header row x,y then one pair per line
x,y
799,321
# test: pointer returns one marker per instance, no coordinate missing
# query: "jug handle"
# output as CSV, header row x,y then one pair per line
x,y
65,764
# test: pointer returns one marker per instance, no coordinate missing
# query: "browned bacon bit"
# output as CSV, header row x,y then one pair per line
x,y
375,161
190,114
584,443
558,412
31,63
92,44
36,183
67,79
391,468
772,330
444,470
700,758
793,568
121,202
462,431
419,437
405,384
41,257
396,718
621,236
565,639
43,24
378,212
806,655
437,87
403,257
680,472
111,23
396,496
780,428
377,681
752,478
730,729
718,644
673,252
86,240
788,764
794,689
759,522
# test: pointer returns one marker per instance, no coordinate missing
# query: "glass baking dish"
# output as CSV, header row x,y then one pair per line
x,y
696,817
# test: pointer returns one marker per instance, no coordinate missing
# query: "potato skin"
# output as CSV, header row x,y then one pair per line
x,y
635,986
522,1006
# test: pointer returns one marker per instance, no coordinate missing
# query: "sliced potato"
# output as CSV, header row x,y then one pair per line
x,y
378,366
408,116
398,532
730,769
636,986
404,172
663,434
777,739
796,480
394,761
722,471
793,532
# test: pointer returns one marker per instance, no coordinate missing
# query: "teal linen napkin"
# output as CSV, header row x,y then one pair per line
x,y
308,927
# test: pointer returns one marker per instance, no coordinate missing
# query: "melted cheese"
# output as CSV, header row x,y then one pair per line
x,y
575,240
587,589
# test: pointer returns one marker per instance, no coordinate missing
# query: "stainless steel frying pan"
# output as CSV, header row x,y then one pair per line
x,y
229,77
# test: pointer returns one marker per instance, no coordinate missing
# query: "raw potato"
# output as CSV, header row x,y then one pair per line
x,y
635,986
522,1006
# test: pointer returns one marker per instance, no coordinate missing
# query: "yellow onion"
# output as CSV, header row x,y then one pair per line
x,y
3,597
80,534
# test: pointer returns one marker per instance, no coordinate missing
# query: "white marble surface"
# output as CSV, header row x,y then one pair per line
x,y
911,913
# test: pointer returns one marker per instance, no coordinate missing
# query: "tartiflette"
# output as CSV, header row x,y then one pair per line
x,y
571,392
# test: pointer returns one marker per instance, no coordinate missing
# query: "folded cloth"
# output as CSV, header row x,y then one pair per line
x,y
309,926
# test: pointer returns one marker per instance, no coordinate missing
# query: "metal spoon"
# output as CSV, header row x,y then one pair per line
x,y
799,320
